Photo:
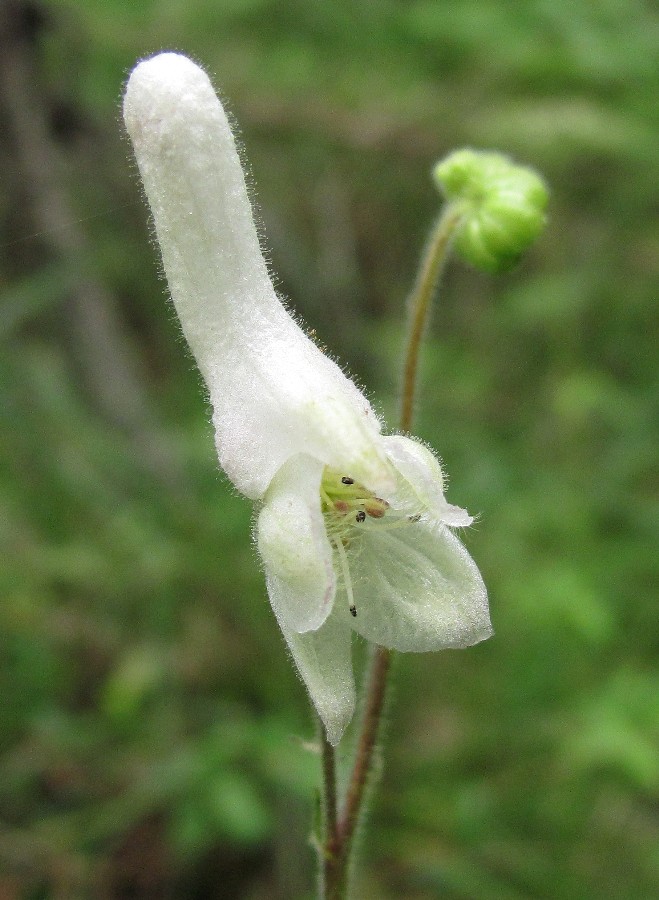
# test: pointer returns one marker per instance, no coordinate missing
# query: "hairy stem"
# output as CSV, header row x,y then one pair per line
x,y
330,856
430,270
339,839
363,764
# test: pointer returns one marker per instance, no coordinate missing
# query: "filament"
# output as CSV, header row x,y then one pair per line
x,y
345,569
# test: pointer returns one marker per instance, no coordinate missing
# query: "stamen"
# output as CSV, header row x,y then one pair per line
x,y
345,569
349,508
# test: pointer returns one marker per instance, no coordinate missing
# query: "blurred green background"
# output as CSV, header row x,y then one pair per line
x,y
152,730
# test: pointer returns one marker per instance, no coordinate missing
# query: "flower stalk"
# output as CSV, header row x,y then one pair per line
x,y
340,832
328,850
430,271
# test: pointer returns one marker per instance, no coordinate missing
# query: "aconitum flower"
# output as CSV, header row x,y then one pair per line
x,y
352,525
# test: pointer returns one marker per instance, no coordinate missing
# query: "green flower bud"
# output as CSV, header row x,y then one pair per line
x,y
504,206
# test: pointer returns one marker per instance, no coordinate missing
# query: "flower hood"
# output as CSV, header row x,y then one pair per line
x,y
352,524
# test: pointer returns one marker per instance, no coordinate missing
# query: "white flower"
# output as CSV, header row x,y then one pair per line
x,y
352,525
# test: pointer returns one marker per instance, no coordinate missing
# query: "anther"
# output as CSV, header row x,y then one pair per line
x,y
376,507
347,480
353,610
414,518
361,516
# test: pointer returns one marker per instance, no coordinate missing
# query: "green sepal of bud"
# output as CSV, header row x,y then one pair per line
x,y
504,206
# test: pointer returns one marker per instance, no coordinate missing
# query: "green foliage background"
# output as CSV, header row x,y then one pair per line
x,y
151,727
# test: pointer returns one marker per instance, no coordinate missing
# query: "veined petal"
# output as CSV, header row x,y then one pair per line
x,y
323,659
416,589
423,473
294,546
274,393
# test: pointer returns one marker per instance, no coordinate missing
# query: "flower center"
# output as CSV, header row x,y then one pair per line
x,y
346,501
346,504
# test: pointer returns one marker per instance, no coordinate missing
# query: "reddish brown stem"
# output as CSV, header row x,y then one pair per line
x,y
432,263
339,842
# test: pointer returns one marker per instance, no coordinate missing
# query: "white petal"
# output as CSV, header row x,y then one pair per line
x,y
274,393
416,589
422,471
293,544
323,659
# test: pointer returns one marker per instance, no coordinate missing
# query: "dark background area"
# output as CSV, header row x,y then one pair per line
x,y
152,729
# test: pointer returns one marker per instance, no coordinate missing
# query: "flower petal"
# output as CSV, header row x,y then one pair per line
x,y
274,393
416,589
423,473
323,659
293,544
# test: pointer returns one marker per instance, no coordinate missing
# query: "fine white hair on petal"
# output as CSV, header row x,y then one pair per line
x,y
422,472
274,393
